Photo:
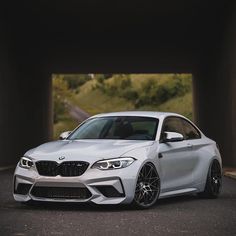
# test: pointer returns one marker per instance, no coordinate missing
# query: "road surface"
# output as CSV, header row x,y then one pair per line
x,y
77,113
174,216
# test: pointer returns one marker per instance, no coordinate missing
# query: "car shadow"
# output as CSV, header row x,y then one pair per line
x,y
57,206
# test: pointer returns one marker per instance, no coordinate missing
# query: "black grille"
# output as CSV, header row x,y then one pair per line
x,y
23,189
109,191
67,168
61,192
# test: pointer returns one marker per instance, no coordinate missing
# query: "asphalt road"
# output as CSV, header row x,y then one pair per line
x,y
174,216
77,113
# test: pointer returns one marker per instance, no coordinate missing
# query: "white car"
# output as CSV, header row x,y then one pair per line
x,y
124,157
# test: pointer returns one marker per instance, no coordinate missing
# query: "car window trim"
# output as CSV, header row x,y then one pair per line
x,y
182,118
91,118
198,131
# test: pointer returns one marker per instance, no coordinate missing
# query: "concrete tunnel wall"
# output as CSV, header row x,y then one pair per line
x,y
25,104
214,85
25,82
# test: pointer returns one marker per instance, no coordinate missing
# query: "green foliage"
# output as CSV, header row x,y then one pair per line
x,y
97,93
76,80
153,93
182,105
61,95
120,86
149,85
130,94
102,77
64,88
65,124
149,92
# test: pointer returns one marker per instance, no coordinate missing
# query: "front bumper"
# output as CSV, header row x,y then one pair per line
x,y
122,182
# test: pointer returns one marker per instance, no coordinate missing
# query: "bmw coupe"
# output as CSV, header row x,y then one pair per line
x,y
122,158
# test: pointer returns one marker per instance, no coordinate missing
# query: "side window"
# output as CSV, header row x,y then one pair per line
x,y
190,131
172,124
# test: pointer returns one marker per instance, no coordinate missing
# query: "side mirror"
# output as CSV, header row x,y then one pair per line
x,y
64,135
172,137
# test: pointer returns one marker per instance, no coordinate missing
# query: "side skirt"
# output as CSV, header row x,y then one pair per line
x,y
178,192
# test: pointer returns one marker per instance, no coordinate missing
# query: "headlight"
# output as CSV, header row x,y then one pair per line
x,y
111,164
26,162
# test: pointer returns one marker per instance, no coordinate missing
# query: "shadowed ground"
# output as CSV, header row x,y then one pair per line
x,y
175,216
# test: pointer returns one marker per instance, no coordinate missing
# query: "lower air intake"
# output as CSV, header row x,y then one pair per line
x,y
23,189
109,191
61,192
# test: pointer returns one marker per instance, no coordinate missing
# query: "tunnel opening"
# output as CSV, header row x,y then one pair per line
x,y
78,96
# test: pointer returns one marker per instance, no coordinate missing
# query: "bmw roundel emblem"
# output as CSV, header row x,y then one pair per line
x,y
61,158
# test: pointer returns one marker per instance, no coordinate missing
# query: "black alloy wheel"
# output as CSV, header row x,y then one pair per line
x,y
214,181
148,187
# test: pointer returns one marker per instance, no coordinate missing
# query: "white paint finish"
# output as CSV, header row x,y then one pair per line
x,y
182,169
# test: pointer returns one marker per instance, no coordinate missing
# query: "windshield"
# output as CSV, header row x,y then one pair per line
x,y
117,127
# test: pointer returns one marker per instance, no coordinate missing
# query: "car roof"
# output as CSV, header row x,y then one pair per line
x,y
154,114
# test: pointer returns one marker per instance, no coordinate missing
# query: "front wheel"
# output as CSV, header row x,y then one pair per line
x,y
147,188
213,182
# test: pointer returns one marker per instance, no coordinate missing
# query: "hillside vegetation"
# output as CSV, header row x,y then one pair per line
x,y
118,92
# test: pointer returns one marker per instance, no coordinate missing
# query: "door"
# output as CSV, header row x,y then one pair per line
x,y
177,159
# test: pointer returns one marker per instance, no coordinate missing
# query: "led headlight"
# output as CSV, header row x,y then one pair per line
x,y
116,163
26,162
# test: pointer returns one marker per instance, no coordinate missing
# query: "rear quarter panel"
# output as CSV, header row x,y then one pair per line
x,y
205,150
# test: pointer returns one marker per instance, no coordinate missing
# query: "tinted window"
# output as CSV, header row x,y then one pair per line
x,y
173,124
117,127
182,126
190,131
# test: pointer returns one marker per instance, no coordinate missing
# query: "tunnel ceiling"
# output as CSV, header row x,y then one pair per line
x,y
41,37
173,30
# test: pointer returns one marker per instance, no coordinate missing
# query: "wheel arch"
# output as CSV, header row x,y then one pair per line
x,y
211,160
145,180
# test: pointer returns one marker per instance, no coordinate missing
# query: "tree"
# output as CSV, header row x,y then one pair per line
x,y
76,80
61,93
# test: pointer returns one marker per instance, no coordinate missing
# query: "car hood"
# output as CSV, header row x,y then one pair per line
x,y
85,150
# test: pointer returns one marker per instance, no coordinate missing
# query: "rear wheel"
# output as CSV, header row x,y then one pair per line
x,y
213,182
147,188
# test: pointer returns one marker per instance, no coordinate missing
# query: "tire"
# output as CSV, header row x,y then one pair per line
x,y
147,187
213,181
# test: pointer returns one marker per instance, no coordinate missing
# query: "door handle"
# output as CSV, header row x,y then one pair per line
x,y
160,155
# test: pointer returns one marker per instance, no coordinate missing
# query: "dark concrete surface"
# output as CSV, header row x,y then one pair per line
x,y
186,215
